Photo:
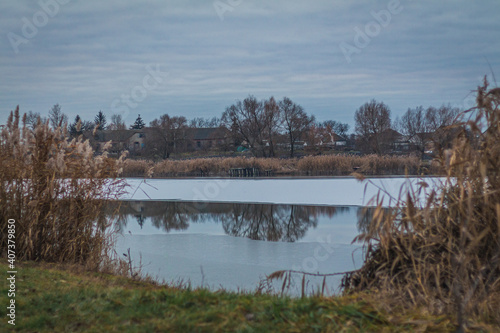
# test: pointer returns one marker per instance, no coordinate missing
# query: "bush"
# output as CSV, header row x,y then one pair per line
x,y
54,189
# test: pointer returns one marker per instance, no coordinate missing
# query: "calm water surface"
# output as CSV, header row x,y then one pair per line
x,y
234,245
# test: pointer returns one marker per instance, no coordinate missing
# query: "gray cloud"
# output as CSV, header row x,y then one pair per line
x,y
91,53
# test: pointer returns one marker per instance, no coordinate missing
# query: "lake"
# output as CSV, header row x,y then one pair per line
x,y
236,245
232,233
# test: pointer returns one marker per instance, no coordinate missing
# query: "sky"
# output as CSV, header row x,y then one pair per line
x,y
196,57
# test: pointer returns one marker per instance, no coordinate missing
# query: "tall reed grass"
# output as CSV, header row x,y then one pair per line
x,y
325,165
368,165
445,254
54,189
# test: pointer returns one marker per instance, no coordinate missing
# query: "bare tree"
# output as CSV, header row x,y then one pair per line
x,y
415,126
314,136
440,121
296,122
200,122
166,135
272,123
32,119
444,116
117,123
430,125
336,127
373,120
328,132
56,117
253,123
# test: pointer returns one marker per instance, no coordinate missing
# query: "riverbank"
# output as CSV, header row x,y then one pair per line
x,y
52,299
320,165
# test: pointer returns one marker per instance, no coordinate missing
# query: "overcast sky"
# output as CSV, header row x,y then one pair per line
x,y
196,57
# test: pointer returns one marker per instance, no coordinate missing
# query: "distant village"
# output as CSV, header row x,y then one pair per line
x,y
265,128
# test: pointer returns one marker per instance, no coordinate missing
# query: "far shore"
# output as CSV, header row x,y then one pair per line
x,y
322,166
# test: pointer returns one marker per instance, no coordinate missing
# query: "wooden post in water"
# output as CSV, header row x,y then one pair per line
x,y
245,172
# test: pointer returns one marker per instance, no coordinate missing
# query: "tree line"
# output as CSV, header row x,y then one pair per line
x,y
375,132
268,126
57,118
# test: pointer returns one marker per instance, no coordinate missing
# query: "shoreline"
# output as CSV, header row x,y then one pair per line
x,y
288,177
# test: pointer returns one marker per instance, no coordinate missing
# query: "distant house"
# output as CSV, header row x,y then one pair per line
x,y
338,140
203,138
330,139
135,142
393,141
121,140
429,142
442,138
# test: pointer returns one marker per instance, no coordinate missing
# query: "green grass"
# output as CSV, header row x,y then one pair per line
x,y
50,299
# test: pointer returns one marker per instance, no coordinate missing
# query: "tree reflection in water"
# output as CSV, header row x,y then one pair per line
x,y
365,217
287,223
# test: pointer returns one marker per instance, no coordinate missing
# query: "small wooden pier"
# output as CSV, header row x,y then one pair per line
x,y
249,172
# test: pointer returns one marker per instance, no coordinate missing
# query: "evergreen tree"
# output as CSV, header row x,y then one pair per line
x,y
100,120
139,123
73,128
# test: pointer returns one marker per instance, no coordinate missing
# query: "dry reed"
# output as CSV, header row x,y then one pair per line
x,y
324,165
54,189
445,254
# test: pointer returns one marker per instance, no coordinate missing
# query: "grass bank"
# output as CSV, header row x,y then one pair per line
x,y
52,299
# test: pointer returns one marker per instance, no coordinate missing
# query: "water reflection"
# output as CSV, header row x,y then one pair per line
x,y
365,216
285,223
178,240
270,222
